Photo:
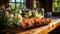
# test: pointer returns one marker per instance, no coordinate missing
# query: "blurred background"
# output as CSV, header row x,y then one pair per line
x,y
14,11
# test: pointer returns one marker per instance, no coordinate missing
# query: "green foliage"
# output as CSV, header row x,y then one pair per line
x,y
3,21
12,6
33,14
15,20
12,11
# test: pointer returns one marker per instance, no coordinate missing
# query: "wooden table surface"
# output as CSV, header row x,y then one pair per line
x,y
39,30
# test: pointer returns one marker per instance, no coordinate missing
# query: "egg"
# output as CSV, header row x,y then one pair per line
x,y
23,24
26,21
36,20
48,20
42,20
32,20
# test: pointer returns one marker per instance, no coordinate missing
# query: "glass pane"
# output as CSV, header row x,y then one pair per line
x,y
21,1
17,0
12,0
12,5
21,5
17,5
24,1
59,7
56,5
34,3
55,0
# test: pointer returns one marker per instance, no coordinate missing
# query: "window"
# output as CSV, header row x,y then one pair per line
x,y
37,4
16,4
56,6
34,3
12,0
59,5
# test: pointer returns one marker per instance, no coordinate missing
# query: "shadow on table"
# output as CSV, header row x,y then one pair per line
x,y
55,31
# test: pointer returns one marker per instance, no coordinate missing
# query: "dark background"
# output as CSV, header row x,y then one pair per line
x,y
46,4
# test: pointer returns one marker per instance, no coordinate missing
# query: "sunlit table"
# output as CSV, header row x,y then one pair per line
x,y
39,30
44,29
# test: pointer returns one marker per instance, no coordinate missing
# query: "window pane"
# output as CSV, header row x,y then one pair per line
x,y
21,5
56,5
12,0
17,0
24,1
59,8
12,5
34,3
21,1
17,5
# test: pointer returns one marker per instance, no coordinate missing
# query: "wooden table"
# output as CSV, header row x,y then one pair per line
x,y
44,29
40,30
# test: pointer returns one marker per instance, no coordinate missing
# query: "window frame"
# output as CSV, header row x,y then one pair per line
x,y
22,3
57,7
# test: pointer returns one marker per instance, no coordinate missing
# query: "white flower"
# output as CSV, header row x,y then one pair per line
x,y
19,15
20,11
6,13
41,17
36,13
30,13
16,15
12,15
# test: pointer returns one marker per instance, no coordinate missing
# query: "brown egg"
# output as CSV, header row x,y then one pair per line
x,y
23,25
36,20
32,20
42,20
48,20
25,22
